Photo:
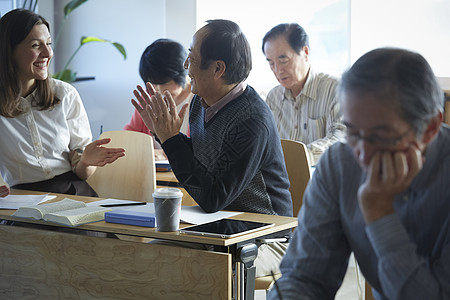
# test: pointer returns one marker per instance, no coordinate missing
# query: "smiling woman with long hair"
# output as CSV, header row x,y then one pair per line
x,y
46,138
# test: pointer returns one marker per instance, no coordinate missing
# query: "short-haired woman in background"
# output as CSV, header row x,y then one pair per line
x,y
162,64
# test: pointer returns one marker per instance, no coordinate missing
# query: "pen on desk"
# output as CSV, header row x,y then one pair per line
x,y
276,286
123,204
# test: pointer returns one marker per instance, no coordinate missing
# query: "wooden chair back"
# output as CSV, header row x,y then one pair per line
x,y
447,108
368,292
131,177
298,168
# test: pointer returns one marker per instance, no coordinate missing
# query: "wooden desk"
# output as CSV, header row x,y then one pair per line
x,y
168,179
50,264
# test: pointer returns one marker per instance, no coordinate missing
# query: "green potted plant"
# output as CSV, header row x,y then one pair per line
x,y
67,74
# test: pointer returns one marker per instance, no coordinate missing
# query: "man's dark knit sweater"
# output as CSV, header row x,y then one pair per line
x,y
235,160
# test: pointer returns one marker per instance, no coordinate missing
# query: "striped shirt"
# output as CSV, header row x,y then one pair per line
x,y
313,117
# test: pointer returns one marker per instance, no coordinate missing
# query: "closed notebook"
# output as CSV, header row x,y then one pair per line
x,y
162,166
130,217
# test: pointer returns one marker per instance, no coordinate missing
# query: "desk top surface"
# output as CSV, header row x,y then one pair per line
x,y
281,223
168,176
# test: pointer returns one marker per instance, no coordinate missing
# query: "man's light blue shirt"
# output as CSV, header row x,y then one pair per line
x,y
405,255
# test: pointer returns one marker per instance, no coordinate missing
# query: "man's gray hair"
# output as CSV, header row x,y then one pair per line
x,y
399,77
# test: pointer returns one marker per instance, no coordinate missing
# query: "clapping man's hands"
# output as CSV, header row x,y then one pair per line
x,y
158,111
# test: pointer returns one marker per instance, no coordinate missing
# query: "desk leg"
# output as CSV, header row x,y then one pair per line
x,y
248,282
245,256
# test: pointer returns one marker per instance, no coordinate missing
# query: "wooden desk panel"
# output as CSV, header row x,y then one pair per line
x,y
41,264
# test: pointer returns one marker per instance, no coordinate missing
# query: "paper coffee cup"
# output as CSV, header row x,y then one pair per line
x,y
167,203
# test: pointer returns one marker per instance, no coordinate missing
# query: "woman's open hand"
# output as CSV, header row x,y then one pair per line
x,y
96,155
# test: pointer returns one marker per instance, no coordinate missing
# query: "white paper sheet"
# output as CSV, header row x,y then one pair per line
x,y
2,182
16,201
195,215
162,162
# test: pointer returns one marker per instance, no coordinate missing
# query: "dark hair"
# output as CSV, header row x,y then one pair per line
x,y
225,41
162,62
295,35
401,78
14,28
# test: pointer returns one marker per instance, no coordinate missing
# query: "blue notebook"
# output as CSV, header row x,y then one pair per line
x,y
163,166
131,217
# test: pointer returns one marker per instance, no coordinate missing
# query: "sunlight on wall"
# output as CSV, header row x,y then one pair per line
x,y
421,26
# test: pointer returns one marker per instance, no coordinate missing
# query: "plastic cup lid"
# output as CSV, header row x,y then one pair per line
x,y
167,193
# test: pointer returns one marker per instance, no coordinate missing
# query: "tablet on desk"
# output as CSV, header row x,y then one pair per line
x,y
226,228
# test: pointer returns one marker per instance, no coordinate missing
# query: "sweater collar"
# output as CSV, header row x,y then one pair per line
x,y
211,111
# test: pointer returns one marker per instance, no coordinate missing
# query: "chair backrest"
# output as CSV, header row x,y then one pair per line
x,y
298,168
447,108
131,177
368,292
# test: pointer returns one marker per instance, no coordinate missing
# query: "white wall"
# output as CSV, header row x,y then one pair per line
x,y
421,26
181,20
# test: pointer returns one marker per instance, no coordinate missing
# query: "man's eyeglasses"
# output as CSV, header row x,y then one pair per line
x,y
352,138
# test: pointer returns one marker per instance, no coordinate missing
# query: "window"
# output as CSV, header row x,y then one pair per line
x,y
421,26
7,5
327,23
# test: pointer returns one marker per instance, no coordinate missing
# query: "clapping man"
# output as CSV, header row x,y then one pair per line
x,y
233,158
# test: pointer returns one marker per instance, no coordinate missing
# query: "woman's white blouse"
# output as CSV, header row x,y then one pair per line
x,y
35,146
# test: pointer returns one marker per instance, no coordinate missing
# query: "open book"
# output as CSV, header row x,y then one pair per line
x,y
66,212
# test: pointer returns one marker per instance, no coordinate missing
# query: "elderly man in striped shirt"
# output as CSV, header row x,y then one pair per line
x,y
304,104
